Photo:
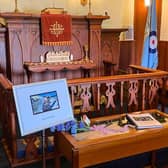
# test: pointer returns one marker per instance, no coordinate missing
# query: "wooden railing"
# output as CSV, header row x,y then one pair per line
x,y
96,96
116,94
162,92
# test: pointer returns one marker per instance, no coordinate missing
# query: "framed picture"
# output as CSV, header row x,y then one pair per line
x,y
42,105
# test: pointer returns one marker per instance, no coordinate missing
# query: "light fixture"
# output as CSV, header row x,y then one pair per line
x,y
147,2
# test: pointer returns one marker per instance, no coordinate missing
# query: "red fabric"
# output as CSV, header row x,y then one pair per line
x,y
56,29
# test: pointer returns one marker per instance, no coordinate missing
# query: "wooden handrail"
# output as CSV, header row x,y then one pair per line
x,y
142,69
116,78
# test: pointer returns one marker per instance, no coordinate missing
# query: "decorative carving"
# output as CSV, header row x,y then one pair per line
x,y
28,48
56,29
85,96
73,91
153,89
111,46
133,92
31,150
110,94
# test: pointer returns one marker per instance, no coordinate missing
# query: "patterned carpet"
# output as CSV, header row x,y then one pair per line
x,y
132,162
49,164
139,161
3,160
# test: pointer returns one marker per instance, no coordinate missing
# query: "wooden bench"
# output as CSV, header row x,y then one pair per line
x,y
96,96
96,147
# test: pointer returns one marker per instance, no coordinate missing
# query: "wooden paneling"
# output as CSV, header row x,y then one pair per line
x,y
130,51
24,44
126,54
163,55
2,51
111,47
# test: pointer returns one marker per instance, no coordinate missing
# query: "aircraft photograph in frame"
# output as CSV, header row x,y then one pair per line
x,y
41,105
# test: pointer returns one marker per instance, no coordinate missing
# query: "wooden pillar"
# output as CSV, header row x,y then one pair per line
x,y
95,40
111,48
2,50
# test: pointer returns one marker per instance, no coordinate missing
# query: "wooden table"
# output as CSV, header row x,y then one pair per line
x,y
39,67
107,148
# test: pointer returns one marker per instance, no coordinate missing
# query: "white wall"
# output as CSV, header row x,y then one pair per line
x,y
120,11
164,22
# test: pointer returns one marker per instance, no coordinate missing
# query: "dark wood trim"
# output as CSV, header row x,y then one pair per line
x,y
126,54
2,50
163,55
115,30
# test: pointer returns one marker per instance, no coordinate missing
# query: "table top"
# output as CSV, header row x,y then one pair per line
x,y
84,139
81,148
70,65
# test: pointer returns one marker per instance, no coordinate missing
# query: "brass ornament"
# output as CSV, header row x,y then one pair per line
x,y
84,2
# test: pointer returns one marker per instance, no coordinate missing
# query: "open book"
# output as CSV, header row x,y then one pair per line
x,y
144,120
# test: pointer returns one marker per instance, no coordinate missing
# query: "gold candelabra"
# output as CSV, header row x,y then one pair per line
x,y
84,2
16,7
86,49
90,4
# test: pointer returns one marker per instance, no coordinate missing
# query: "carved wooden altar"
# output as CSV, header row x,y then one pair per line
x,y
24,44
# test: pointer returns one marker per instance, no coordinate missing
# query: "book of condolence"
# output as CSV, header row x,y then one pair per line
x,y
144,120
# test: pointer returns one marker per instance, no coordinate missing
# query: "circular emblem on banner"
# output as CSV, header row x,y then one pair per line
x,y
152,42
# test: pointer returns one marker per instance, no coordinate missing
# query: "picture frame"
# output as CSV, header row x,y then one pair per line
x,y
41,105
